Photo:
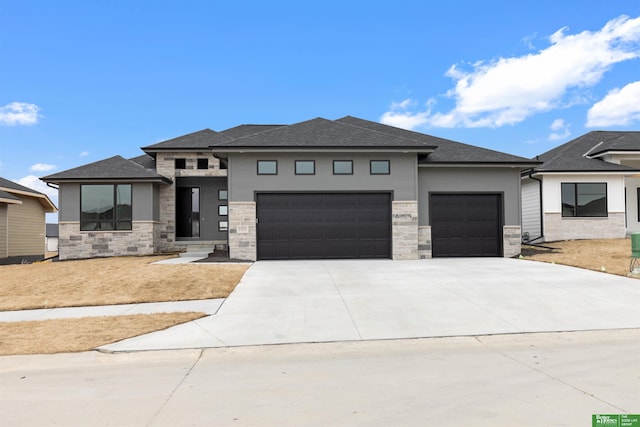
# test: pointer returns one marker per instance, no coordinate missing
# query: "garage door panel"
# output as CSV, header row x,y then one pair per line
x,y
324,225
466,225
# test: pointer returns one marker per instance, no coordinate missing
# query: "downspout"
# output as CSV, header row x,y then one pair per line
x,y
530,175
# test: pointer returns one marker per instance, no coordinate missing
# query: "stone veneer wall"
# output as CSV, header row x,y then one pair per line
x,y
424,242
404,229
76,244
558,228
165,166
511,240
242,231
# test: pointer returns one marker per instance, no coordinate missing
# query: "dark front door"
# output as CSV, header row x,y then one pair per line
x,y
466,225
324,225
188,212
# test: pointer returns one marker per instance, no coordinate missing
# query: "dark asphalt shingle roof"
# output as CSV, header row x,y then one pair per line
x,y
196,140
572,156
115,168
146,161
9,196
246,130
6,184
323,133
447,151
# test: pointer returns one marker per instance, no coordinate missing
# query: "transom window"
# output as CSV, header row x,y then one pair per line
x,y
380,167
343,167
105,207
584,199
180,163
267,167
203,163
305,167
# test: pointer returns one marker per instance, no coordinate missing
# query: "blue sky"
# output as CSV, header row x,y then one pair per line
x,y
84,80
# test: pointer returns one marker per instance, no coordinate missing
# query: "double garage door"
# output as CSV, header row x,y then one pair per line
x,y
323,225
358,225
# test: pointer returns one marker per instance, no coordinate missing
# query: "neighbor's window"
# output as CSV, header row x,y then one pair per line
x,y
222,195
223,226
305,167
380,167
584,199
342,167
180,163
105,207
203,163
267,167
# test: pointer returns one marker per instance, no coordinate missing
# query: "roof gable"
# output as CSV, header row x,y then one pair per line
x,y
9,198
577,154
14,191
113,168
7,185
323,133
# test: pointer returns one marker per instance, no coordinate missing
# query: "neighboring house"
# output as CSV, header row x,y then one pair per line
x,y
588,188
51,237
22,219
348,188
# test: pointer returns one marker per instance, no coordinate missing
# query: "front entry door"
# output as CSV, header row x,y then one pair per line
x,y
188,212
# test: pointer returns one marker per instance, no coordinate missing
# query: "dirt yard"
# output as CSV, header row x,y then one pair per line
x,y
120,280
609,255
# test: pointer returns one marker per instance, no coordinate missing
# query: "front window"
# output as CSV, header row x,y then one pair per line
x,y
105,207
380,167
342,167
267,167
203,163
305,167
584,199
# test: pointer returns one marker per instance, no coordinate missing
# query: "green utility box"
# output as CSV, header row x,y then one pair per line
x,y
635,245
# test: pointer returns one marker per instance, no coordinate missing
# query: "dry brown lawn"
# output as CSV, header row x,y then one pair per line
x,y
72,335
608,255
102,281
119,280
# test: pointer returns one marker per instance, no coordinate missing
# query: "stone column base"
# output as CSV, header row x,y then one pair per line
x,y
511,240
404,229
242,231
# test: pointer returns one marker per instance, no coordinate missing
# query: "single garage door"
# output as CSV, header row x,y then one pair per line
x,y
323,225
466,225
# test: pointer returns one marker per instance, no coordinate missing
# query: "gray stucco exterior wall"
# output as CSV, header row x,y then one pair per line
x,y
244,180
470,179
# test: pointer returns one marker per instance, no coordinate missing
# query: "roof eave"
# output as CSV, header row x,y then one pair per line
x,y
159,180
523,165
342,149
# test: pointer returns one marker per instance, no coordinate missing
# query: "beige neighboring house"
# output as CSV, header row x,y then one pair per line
x,y
22,223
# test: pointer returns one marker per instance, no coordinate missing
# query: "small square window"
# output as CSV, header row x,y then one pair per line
x,y
305,167
180,163
203,163
223,226
267,167
222,164
380,167
223,210
222,195
343,167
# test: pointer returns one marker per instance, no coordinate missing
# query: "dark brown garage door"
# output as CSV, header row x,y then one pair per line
x,y
323,225
466,225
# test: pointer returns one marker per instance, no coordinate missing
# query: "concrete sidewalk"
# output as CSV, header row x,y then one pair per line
x,y
208,306
322,301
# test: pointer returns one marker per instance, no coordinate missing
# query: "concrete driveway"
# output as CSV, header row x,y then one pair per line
x,y
323,301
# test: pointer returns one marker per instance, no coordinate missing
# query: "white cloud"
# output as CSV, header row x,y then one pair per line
x,y
41,167
560,130
19,113
619,107
84,154
399,116
506,91
33,182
